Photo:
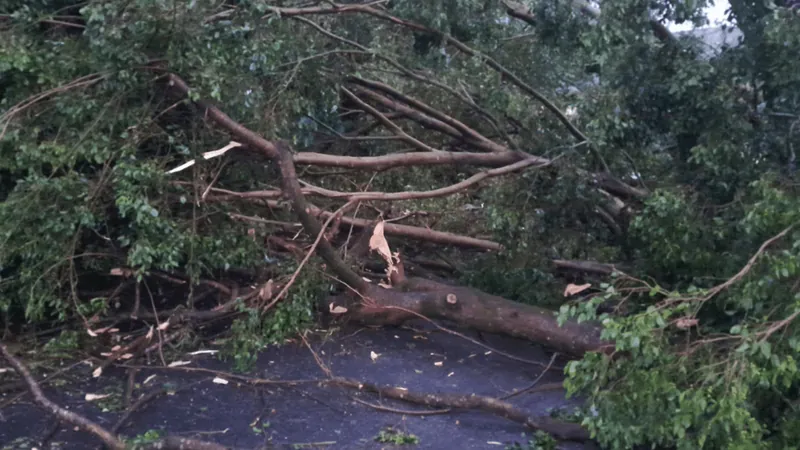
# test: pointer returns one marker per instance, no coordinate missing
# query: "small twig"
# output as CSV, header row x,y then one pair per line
x,y
717,289
146,398
531,386
474,341
406,412
45,380
129,389
158,325
318,360
49,433
213,181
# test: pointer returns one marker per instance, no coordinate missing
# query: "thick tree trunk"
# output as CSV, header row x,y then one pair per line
x,y
474,309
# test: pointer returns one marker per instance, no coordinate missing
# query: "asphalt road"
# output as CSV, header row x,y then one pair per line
x,y
281,416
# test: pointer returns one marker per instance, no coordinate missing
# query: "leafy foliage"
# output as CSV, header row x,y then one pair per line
x,y
706,332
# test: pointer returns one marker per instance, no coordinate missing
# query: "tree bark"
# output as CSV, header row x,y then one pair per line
x,y
473,309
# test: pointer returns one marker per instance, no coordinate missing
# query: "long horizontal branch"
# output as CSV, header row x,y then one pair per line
x,y
408,231
560,430
585,266
440,158
441,192
388,196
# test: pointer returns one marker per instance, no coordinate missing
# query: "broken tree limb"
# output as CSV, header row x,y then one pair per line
x,y
466,306
77,420
384,162
62,414
560,430
585,266
293,190
474,309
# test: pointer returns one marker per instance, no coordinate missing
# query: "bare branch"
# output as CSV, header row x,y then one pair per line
x,y
418,233
62,414
463,129
441,192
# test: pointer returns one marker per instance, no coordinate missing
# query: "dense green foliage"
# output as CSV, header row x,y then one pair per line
x,y
707,348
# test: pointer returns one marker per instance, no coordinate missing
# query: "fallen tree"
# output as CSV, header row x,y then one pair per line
x,y
383,150
410,298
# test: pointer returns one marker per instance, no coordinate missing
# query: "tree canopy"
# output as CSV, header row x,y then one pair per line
x,y
513,147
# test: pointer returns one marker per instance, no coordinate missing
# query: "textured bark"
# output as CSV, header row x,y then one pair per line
x,y
474,309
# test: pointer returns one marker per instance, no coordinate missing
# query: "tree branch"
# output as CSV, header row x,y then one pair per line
x,y
389,124
559,430
418,233
384,162
463,130
114,443
62,414
280,153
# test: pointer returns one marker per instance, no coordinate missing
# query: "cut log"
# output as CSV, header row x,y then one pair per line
x,y
477,310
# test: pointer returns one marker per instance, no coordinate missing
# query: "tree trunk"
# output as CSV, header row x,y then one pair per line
x,y
474,309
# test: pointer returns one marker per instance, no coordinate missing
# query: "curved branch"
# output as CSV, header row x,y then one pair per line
x,y
114,443
280,153
392,196
441,192
67,416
